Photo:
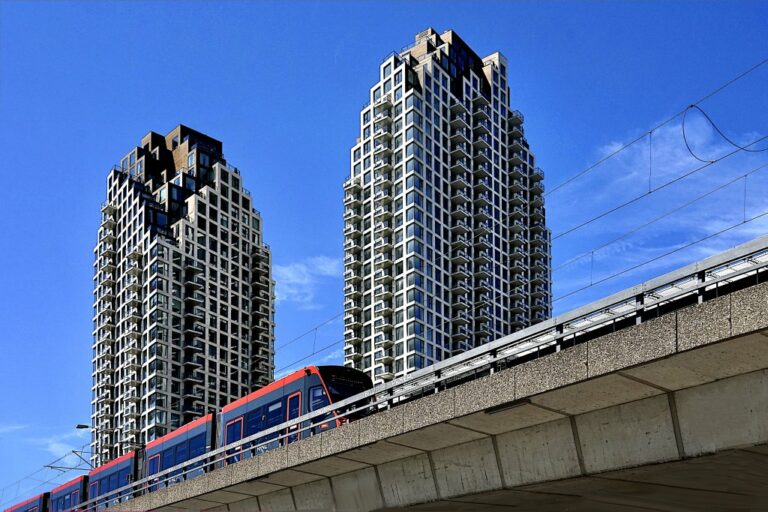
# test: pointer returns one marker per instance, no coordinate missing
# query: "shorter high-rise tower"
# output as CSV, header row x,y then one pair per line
x,y
183,293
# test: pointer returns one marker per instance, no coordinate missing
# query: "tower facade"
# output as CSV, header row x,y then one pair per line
x,y
445,241
183,293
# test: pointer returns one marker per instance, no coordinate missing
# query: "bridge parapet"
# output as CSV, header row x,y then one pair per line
x,y
679,400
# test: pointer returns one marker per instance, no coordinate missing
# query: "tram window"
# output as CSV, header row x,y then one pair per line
x,y
275,413
318,398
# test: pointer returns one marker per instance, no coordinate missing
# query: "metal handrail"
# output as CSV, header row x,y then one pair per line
x,y
742,261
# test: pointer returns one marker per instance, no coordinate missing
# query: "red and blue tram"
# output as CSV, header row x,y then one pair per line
x,y
293,396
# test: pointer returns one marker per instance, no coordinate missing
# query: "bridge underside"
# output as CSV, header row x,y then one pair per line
x,y
728,481
668,415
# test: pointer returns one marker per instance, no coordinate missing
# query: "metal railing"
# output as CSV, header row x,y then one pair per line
x,y
739,263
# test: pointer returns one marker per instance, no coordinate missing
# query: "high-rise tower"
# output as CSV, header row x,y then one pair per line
x,y
445,242
183,294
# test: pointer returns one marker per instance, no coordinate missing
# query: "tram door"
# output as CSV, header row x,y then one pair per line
x,y
293,412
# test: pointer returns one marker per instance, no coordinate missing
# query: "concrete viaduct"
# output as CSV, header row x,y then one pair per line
x,y
667,415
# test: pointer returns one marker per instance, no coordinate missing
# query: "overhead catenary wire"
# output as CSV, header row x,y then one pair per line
x,y
717,129
658,126
662,216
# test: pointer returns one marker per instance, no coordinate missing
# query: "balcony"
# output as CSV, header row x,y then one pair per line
x,y
382,148
517,172
460,165
460,180
383,196
539,277
460,120
538,264
460,227
459,256
382,292
108,208
483,242
483,169
461,302
484,184
539,240
382,133
539,290
516,158
515,118
537,174
537,200
483,155
386,375
382,229
517,253
108,221
516,198
460,212
352,229
460,287
352,215
515,132
383,276
537,213
353,290
483,126
459,107
517,213
384,101
460,135
480,100
482,112
352,200
194,345
517,226
382,212
383,341
353,353
483,315
539,304
383,260
194,377
107,236
352,276
352,337
460,197
460,272
194,283
384,325
460,333
353,245
483,271
383,116
352,260
483,199
483,213
352,321
483,141
384,358
383,308
382,245
460,150
516,144
483,228
460,241
382,164
353,184
483,256
483,285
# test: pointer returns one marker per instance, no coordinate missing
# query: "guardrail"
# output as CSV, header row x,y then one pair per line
x,y
700,280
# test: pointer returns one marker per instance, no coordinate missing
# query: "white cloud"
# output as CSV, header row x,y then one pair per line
x,y
300,282
632,173
8,429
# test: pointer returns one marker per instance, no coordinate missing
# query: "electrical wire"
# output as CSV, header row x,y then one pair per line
x,y
652,191
718,130
656,219
660,125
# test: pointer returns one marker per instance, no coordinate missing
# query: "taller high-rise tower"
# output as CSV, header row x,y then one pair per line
x,y
183,294
445,242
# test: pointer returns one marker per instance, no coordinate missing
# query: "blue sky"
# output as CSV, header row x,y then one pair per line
x,y
281,84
